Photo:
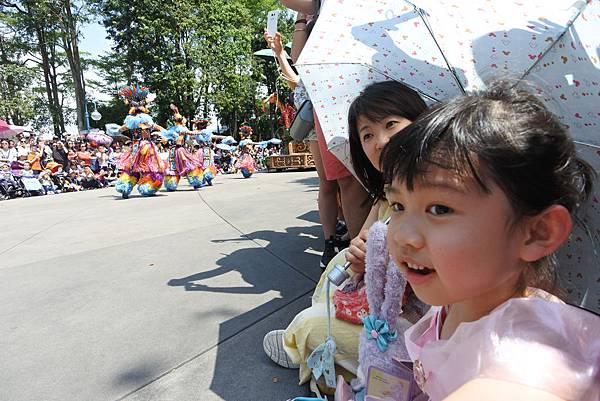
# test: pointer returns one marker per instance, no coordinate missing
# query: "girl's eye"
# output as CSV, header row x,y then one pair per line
x,y
439,210
397,207
390,124
367,136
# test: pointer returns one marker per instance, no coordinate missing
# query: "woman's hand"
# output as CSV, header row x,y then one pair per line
x,y
274,42
357,251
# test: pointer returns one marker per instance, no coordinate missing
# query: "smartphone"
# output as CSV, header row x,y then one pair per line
x,y
272,22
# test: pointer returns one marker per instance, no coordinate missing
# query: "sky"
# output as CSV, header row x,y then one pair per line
x,y
94,42
94,39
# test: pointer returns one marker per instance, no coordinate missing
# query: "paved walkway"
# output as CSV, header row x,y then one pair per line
x,y
163,298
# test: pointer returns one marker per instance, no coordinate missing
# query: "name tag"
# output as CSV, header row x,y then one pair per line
x,y
383,385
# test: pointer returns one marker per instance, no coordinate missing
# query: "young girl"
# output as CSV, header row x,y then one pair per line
x,y
482,189
375,116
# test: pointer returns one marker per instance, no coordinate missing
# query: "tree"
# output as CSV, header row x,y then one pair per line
x,y
27,22
16,97
205,60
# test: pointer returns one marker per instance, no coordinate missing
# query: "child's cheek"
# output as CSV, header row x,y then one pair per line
x,y
391,249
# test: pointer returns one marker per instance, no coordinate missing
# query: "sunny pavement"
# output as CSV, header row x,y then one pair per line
x,y
163,298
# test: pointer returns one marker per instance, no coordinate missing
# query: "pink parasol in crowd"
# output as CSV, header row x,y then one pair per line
x,y
8,130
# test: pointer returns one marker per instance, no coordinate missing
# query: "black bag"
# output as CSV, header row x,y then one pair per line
x,y
303,122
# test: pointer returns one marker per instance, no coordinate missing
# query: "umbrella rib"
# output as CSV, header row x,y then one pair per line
x,y
580,5
382,73
422,14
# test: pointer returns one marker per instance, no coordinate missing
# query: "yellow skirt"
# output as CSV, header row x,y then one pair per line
x,y
309,329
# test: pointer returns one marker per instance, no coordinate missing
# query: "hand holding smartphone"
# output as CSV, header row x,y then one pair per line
x,y
272,22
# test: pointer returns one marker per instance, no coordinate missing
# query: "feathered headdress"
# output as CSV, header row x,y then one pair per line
x,y
137,97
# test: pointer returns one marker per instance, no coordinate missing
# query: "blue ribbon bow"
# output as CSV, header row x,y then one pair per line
x,y
322,363
379,330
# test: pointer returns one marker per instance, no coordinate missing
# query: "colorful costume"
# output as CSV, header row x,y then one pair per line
x,y
141,164
181,162
207,157
246,163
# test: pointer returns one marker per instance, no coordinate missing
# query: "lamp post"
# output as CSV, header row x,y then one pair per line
x,y
96,116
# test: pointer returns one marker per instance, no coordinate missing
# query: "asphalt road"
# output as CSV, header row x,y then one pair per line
x,y
163,298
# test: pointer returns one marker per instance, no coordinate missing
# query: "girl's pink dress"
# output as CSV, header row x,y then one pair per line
x,y
535,341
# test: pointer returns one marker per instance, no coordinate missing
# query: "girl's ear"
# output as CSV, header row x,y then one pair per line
x,y
545,233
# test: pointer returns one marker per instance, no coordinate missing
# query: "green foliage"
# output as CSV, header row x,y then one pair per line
x,y
194,53
197,54
16,100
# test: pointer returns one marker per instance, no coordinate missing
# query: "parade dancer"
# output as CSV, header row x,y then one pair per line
x,y
206,154
171,180
181,161
208,158
246,163
141,164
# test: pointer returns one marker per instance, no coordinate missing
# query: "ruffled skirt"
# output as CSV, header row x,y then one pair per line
x,y
147,159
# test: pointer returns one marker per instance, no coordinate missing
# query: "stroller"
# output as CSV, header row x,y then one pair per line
x,y
10,187
31,186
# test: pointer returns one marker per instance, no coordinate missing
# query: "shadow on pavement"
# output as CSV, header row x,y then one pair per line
x,y
242,370
311,182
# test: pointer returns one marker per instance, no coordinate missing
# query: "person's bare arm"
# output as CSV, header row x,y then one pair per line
x,y
302,6
286,69
299,37
356,253
499,390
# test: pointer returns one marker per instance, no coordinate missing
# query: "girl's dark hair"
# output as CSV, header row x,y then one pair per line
x,y
503,135
375,103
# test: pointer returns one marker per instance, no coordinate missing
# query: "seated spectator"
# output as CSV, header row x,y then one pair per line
x,y
8,184
71,153
27,171
73,181
47,183
378,114
34,158
60,155
5,171
79,166
83,156
88,179
17,166
7,154
58,177
23,147
45,152
102,158
101,177
111,175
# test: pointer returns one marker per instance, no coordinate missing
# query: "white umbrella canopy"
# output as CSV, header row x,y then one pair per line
x,y
444,48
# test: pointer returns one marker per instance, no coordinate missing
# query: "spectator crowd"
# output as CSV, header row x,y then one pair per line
x,y
32,166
